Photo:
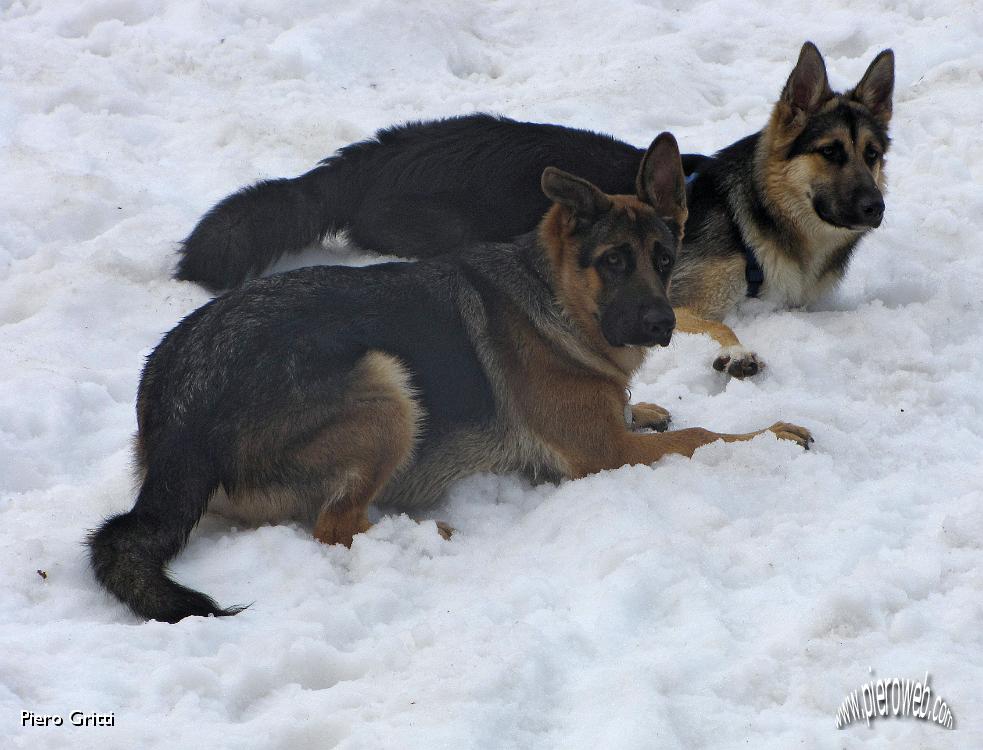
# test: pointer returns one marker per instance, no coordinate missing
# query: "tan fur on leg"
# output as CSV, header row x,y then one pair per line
x,y
647,449
337,526
365,447
689,321
732,357
649,417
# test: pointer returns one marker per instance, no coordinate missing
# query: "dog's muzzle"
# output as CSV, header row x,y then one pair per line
x,y
648,324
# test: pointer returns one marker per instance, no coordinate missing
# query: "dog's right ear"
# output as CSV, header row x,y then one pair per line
x,y
876,87
807,87
661,182
580,196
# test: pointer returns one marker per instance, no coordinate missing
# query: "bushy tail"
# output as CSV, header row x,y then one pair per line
x,y
129,551
247,231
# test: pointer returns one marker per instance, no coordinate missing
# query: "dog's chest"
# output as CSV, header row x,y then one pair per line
x,y
796,281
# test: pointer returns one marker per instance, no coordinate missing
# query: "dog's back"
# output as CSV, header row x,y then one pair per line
x,y
416,190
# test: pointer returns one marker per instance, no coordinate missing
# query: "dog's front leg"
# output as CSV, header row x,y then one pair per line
x,y
738,361
638,448
647,449
649,417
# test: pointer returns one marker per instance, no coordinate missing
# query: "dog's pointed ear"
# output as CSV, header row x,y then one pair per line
x,y
807,87
876,88
661,182
580,196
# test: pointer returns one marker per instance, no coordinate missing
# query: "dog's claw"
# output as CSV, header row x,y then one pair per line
x,y
445,530
788,431
650,417
657,426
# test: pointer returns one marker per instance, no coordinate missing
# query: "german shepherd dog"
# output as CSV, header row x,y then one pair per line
x,y
309,395
775,215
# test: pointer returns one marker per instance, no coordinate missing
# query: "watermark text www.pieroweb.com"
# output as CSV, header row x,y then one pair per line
x,y
895,697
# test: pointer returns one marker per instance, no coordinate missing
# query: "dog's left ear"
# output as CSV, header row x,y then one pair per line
x,y
580,196
876,88
807,87
661,182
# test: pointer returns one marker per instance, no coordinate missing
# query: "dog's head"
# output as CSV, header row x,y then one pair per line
x,y
825,151
611,255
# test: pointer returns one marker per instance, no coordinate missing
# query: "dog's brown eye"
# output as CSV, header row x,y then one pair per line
x,y
871,155
830,151
665,260
614,260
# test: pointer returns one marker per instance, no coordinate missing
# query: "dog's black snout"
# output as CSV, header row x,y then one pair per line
x,y
657,323
872,209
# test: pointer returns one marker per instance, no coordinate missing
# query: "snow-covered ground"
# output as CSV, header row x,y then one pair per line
x,y
731,600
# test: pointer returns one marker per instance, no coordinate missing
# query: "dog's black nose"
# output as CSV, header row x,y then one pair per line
x,y
657,324
872,209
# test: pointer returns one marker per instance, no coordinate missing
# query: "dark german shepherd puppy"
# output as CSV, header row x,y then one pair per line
x,y
309,395
777,213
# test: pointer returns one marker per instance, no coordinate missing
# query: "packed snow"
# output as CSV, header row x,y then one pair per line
x,y
731,600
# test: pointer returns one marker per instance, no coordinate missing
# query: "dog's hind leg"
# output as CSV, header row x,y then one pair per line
x,y
362,449
324,459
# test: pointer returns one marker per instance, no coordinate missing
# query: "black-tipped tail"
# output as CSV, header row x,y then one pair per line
x,y
249,230
129,553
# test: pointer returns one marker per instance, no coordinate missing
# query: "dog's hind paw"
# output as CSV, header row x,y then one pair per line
x,y
649,417
738,362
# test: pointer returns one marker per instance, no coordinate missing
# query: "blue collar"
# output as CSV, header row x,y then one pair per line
x,y
754,274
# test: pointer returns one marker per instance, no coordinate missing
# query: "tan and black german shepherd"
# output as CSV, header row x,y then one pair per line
x,y
781,211
775,215
309,395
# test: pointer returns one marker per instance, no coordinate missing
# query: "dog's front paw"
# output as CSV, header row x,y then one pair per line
x,y
649,417
738,362
788,431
